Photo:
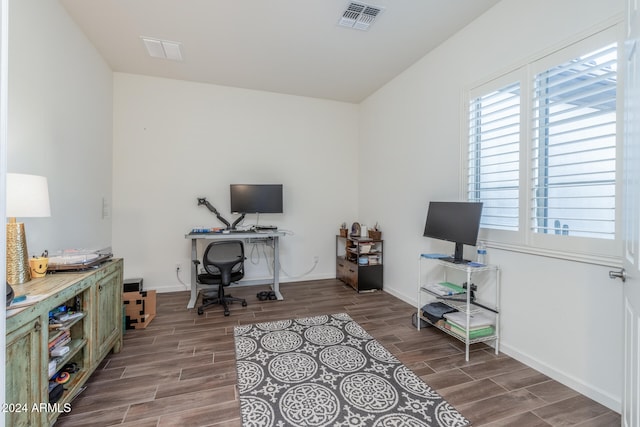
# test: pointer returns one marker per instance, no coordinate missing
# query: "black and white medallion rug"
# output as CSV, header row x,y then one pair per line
x,y
328,371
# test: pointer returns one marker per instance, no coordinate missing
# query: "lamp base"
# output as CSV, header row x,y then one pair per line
x,y
17,255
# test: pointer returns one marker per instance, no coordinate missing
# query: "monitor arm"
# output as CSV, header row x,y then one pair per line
x,y
203,201
237,221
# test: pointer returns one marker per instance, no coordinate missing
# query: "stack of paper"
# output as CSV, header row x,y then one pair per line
x,y
480,324
444,288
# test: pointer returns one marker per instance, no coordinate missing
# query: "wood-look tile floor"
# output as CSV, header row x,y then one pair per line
x,y
180,371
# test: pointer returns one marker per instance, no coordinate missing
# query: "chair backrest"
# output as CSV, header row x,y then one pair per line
x,y
224,257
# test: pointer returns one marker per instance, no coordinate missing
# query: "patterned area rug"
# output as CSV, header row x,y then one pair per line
x,y
328,371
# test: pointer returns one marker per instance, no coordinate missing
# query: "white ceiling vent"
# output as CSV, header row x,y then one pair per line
x,y
164,49
359,15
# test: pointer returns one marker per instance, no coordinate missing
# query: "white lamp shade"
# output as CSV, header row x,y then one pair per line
x,y
27,196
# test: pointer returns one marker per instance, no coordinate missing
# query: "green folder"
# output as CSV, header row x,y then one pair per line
x,y
455,288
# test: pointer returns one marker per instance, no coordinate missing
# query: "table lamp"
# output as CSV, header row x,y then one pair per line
x,y
27,196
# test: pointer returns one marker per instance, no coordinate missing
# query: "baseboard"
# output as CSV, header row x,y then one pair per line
x,y
169,288
602,397
177,287
409,300
576,384
306,277
599,396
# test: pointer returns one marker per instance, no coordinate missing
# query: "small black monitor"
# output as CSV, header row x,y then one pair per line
x,y
256,198
457,222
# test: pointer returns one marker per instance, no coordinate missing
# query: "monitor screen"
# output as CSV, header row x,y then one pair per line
x,y
256,198
456,222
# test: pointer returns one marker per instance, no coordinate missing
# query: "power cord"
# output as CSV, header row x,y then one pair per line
x,y
313,267
255,256
180,280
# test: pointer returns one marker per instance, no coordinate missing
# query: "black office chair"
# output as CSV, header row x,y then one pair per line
x,y
223,262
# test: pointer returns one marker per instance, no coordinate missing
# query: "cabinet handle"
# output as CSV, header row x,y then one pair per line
x,y
100,288
37,326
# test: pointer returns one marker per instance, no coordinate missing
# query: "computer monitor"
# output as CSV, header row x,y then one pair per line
x,y
256,198
457,222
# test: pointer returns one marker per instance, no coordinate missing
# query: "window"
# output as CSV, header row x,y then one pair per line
x,y
541,152
494,156
574,147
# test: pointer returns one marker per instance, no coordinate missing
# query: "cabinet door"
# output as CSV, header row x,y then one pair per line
x,y
369,277
108,318
26,383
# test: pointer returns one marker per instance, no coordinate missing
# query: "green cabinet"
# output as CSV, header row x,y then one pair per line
x,y
88,335
25,381
108,324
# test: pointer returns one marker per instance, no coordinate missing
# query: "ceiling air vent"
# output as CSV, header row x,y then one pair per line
x,y
359,15
164,49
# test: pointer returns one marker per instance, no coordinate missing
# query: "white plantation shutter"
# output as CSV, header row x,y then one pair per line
x,y
494,156
574,147
542,152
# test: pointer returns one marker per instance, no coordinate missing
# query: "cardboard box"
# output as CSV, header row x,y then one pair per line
x,y
140,308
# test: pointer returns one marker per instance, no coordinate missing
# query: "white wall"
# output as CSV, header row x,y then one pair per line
x,y
60,124
175,141
561,317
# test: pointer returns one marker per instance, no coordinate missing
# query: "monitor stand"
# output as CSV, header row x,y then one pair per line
x,y
236,222
456,261
203,201
457,255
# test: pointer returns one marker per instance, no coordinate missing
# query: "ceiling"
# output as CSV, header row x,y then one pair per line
x,y
286,46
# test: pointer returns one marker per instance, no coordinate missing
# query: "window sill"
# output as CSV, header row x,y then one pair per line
x,y
603,260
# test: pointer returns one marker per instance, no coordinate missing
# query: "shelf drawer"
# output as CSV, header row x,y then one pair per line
x,y
347,272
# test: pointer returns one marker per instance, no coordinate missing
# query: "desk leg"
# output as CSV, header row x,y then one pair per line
x,y
276,268
194,274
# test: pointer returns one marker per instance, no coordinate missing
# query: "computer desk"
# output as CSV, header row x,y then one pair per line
x,y
253,235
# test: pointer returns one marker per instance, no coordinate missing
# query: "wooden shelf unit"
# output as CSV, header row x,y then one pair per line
x,y
359,262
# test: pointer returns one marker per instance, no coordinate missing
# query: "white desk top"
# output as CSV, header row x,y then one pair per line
x,y
236,235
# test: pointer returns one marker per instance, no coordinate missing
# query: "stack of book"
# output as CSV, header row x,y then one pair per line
x,y
58,345
70,315
480,324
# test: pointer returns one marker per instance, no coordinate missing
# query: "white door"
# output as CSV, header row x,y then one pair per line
x,y
4,32
631,221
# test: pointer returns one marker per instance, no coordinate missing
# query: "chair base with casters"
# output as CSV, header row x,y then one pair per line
x,y
223,262
219,299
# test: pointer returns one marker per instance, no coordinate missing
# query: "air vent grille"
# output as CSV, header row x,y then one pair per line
x,y
359,16
164,49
